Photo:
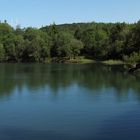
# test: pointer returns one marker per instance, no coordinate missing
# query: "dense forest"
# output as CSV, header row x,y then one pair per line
x,y
97,41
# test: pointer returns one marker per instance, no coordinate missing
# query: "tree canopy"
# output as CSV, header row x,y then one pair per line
x,y
98,41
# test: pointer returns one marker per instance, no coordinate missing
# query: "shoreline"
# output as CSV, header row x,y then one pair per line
x,y
81,60
71,61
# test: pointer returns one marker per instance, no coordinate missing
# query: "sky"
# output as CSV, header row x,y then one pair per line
x,y
37,13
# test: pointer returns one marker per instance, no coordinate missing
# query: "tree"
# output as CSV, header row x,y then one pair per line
x,y
117,40
78,33
76,47
19,47
2,53
94,40
37,45
10,48
133,41
88,38
63,45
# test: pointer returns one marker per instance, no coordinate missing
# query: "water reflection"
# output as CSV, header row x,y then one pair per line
x,y
64,102
94,77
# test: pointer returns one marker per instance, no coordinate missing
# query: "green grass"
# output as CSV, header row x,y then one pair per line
x,y
84,60
113,62
81,60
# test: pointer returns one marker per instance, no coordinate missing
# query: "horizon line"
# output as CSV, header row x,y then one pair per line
x,y
68,23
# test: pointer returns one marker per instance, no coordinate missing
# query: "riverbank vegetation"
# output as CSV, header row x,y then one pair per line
x,y
93,41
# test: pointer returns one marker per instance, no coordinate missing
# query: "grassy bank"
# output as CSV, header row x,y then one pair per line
x,y
84,60
113,62
81,61
77,60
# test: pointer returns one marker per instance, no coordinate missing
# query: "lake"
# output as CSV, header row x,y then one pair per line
x,y
68,102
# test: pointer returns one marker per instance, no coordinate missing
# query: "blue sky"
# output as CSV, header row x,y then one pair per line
x,y
44,12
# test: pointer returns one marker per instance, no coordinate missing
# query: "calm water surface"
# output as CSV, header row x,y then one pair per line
x,y
68,102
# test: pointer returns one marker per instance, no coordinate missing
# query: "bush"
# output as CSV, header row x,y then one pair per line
x,y
133,58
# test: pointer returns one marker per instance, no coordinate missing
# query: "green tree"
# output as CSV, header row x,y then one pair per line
x,y
76,46
37,45
133,40
88,38
2,53
63,45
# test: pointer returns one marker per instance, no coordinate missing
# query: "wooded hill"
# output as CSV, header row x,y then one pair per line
x,y
98,41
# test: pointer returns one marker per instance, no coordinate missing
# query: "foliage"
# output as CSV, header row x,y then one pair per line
x,y
101,41
2,53
133,58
